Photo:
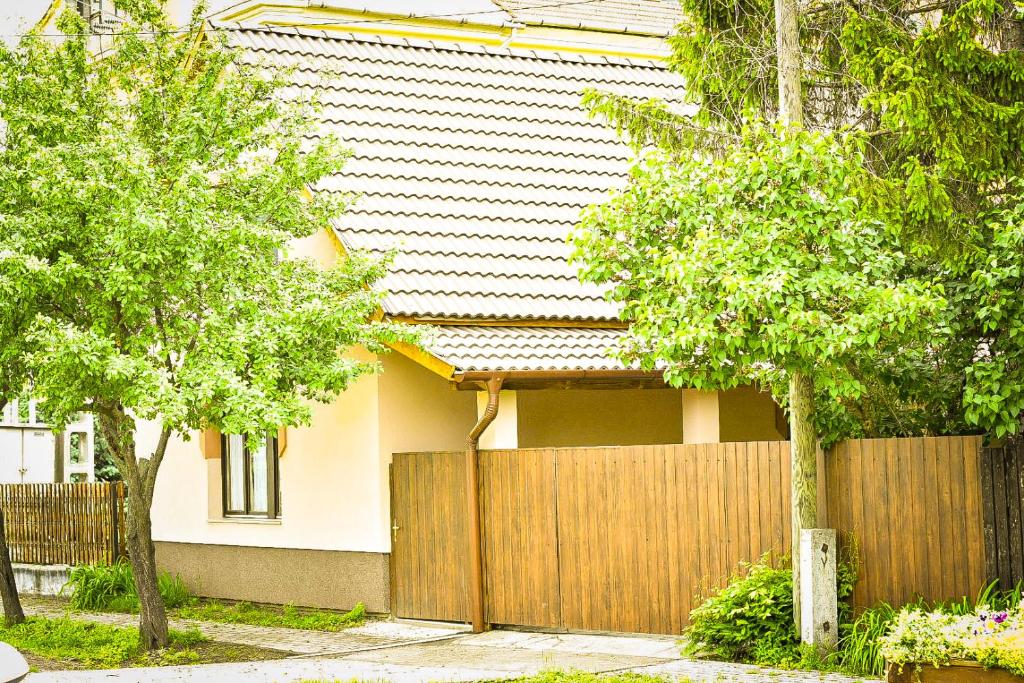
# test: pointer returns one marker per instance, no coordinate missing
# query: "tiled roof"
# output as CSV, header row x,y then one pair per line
x,y
649,17
474,348
473,163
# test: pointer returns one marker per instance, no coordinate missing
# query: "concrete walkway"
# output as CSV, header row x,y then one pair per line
x,y
422,653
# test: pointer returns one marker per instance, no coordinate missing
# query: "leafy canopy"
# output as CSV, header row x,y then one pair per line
x,y
153,193
754,263
934,92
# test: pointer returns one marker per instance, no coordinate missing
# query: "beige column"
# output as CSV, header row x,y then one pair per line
x,y
504,431
700,416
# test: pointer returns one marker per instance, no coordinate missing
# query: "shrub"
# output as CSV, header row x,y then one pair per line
x,y
751,619
111,588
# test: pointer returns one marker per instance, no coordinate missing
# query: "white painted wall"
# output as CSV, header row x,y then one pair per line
x,y
332,485
27,448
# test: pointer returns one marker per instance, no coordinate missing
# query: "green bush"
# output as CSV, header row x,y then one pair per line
x,y
750,620
111,588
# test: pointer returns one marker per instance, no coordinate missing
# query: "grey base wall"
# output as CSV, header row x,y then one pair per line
x,y
332,579
38,579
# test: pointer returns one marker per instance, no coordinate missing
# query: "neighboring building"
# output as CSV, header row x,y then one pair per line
x,y
31,453
473,159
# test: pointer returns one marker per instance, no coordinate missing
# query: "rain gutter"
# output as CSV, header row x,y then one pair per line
x,y
476,560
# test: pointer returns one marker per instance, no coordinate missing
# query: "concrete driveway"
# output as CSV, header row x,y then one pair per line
x,y
436,654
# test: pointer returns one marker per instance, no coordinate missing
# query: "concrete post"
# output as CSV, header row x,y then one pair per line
x,y
819,604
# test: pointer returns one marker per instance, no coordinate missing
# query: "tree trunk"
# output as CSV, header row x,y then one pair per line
x,y
140,476
801,387
804,457
142,555
787,46
13,613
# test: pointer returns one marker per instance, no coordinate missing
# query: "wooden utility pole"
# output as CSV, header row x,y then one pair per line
x,y
803,440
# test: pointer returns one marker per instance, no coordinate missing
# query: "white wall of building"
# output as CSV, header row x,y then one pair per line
x,y
27,447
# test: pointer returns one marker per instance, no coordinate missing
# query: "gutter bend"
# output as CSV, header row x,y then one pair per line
x,y
476,560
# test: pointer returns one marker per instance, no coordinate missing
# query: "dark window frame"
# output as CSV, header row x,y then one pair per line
x,y
272,454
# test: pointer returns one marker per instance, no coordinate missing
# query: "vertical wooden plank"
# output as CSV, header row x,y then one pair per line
x,y
753,499
677,517
999,505
988,515
971,447
959,537
765,497
931,482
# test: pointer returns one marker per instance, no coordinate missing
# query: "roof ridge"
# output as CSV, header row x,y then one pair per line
x,y
423,44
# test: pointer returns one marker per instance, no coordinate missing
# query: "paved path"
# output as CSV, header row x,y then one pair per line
x,y
423,653
373,633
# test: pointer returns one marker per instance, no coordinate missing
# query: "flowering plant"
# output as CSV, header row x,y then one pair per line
x,y
991,637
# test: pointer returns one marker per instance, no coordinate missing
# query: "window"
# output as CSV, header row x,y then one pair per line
x,y
250,478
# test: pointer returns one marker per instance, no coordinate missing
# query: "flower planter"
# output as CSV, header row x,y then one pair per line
x,y
956,672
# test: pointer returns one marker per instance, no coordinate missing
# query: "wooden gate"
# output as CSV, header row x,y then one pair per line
x,y
630,539
429,577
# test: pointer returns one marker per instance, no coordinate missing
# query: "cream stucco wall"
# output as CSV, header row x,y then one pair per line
x,y
601,417
332,484
746,414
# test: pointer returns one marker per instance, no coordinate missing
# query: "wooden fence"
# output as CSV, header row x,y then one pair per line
x,y
913,510
64,523
631,538
1002,481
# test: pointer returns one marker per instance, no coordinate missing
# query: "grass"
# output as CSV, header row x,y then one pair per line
x,y
287,616
96,646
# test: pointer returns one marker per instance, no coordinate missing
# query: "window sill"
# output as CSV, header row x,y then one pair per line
x,y
245,520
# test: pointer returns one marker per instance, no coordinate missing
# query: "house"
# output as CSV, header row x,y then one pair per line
x,y
473,159
32,453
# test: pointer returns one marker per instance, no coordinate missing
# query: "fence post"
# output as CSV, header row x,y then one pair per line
x,y
819,603
115,502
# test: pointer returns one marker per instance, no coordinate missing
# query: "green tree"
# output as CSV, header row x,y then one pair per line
x,y
937,90
19,280
160,185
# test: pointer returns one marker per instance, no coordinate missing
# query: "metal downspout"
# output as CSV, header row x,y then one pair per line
x,y
476,559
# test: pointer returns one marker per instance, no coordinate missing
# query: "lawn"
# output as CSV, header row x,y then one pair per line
x,y
64,643
285,616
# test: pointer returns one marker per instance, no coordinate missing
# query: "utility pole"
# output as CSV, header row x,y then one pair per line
x,y
803,440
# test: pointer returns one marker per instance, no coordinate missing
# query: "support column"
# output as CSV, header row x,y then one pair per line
x,y
503,432
700,416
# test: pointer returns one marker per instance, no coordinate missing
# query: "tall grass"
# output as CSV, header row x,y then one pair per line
x,y
858,648
111,588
